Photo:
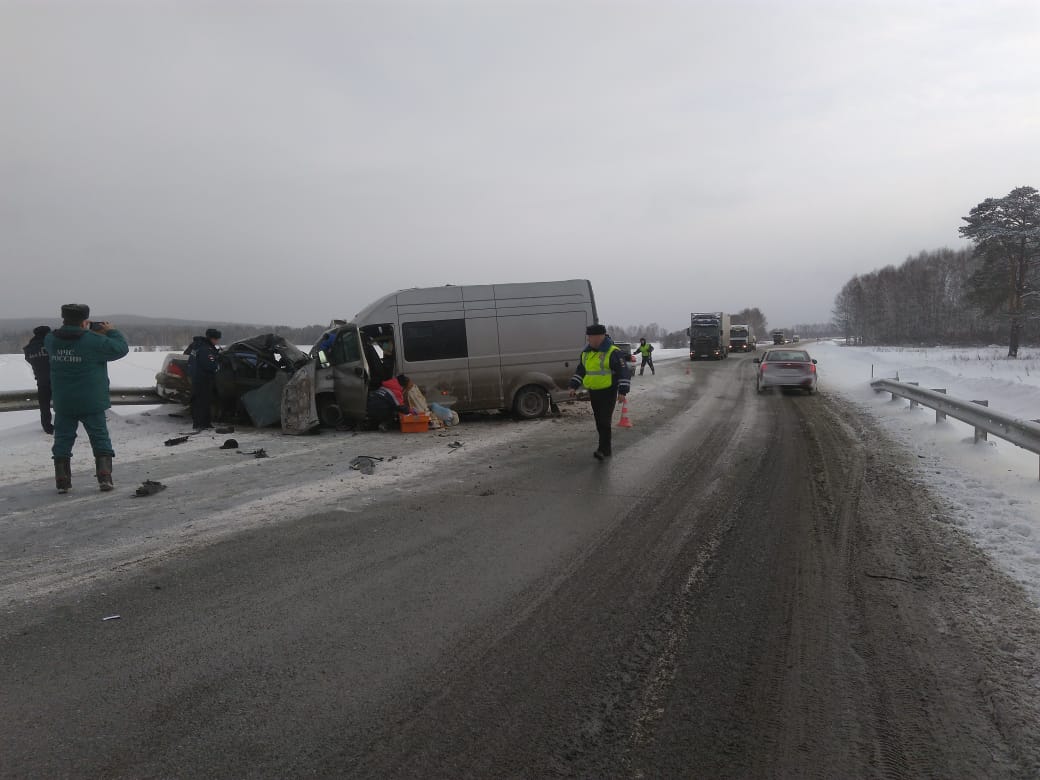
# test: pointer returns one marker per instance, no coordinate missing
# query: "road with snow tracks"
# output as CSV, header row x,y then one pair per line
x,y
754,586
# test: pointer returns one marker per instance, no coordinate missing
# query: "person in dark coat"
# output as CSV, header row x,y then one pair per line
x,y
381,409
203,364
37,357
603,373
79,361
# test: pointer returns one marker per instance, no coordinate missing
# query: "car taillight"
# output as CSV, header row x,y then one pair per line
x,y
175,370
812,368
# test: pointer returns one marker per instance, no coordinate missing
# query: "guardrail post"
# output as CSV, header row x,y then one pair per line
x,y
980,435
939,416
913,403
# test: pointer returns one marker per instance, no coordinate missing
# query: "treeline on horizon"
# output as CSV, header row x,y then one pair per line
x,y
175,337
923,301
985,294
752,317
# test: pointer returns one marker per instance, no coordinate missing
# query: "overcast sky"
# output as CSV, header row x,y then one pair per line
x,y
288,162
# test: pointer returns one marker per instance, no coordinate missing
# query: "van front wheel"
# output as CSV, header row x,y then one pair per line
x,y
329,413
530,402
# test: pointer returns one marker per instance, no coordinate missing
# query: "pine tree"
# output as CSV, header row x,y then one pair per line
x,y
1006,232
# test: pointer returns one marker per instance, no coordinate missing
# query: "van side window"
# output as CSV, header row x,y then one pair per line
x,y
434,340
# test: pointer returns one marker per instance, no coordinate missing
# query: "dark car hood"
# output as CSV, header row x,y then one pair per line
x,y
270,344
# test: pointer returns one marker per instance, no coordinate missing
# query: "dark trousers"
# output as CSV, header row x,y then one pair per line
x,y
66,425
603,402
202,401
43,392
647,361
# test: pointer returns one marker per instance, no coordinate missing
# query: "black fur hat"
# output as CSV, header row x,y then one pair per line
x,y
75,312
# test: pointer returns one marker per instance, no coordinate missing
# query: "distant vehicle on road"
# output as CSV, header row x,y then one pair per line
x,y
742,339
786,368
709,335
779,337
796,338
625,347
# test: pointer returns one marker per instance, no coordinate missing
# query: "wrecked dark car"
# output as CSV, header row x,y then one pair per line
x,y
264,361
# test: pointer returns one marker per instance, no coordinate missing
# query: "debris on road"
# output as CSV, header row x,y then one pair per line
x,y
455,444
224,429
229,444
260,453
111,617
366,464
175,440
149,488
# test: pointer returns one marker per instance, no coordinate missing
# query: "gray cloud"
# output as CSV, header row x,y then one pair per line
x,y
291,161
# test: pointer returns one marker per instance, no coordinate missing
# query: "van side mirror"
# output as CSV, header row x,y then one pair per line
x,y
814,361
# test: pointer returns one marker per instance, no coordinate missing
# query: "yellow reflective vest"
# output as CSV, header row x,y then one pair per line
x,y
645,349
598,375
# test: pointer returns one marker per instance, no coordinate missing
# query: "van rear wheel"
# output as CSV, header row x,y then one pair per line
x,y
530,402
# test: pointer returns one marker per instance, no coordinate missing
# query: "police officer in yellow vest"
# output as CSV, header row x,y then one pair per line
x,y
603,372
645,349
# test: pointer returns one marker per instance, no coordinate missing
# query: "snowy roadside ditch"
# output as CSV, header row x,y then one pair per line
x,y
992,486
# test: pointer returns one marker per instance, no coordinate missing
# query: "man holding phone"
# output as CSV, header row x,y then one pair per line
x,y
80,351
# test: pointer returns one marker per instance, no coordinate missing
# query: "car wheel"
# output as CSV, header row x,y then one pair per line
x,y
329,412
530,402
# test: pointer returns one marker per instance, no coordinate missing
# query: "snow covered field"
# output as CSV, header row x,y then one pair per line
x,y
991,487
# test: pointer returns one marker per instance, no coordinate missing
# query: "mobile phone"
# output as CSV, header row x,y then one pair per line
x,y
96,325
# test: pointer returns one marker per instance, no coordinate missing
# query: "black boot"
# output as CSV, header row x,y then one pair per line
x,y
62,474
103,469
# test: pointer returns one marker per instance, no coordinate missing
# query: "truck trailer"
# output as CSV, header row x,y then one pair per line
x,y
709,335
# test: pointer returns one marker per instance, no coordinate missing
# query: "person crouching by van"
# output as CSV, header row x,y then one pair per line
x,y
602,371
79,379
417,403
381,409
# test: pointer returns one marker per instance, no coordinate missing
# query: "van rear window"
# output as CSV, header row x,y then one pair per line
x,y
434,340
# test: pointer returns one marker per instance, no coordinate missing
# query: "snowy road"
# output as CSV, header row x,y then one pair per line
x,y
754,586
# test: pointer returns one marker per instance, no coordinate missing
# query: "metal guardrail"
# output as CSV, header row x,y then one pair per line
x,y
1023,433
18,400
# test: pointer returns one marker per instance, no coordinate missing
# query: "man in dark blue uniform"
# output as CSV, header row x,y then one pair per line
x,y
203,363
37,357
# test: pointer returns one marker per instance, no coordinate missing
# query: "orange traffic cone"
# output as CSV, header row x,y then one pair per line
x,y
624,422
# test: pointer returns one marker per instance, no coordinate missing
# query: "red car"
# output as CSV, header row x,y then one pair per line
x,y
786,368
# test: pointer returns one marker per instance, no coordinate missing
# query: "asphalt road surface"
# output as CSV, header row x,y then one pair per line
x,y
754,586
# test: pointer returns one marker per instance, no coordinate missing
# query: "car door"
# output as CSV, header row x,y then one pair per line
x,y
343,371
